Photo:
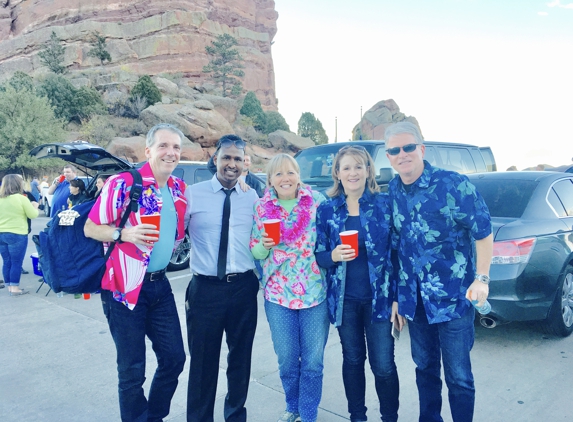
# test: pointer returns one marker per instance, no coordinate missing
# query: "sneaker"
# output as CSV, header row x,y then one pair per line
x,y
24,271
289,417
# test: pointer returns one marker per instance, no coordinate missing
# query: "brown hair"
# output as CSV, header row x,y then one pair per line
x,y
11,184
361,155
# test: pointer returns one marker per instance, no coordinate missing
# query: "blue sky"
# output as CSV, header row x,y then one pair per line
x,y
497,73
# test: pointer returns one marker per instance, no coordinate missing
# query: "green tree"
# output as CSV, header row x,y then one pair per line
x,y
275,121
52,55
69,102
145,88
20,81
26,121
310,127
226,64
99,49
252,108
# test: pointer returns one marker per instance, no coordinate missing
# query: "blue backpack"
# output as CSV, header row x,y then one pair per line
x,y
70,261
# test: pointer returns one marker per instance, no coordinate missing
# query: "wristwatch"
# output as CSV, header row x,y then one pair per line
x,y
116,236
483,278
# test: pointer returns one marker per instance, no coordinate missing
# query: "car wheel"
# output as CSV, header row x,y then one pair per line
x,y
180,258
47,209
560,319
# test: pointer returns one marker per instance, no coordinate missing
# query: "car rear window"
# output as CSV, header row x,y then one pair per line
x,y
505,198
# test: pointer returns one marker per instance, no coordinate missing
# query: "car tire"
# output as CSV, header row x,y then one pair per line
x,y
47,209
180,258
560,319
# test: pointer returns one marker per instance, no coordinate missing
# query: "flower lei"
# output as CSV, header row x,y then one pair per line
x,y
302,209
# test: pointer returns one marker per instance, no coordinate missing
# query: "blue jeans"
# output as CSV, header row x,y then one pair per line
x,y
450,342
154,316
357,333
299,337
13,250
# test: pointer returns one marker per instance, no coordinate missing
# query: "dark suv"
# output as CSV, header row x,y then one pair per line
x,y
316,162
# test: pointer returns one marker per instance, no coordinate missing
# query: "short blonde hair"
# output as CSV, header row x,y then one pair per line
x,y
11,184
277,163
361,155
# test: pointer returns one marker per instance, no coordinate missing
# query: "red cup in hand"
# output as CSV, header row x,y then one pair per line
x,y
350,237
61,178
273,230
154,219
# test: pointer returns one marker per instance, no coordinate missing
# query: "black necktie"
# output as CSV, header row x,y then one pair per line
x,y
222,260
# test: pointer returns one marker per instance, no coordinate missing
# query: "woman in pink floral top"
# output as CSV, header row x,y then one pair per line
x,y
295,290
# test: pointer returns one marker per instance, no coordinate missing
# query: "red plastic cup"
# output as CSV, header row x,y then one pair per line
x,y
273,230
154,219
61,178
86,296
350,237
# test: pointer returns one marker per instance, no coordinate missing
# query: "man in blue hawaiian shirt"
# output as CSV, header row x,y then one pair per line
x,y
442,230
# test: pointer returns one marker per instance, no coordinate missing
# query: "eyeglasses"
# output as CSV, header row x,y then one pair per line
x,y
239,143
407,149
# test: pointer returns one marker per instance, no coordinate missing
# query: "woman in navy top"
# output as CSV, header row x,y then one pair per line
x,y
360,305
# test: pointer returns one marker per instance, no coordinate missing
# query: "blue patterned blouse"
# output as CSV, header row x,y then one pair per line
x,y
435,224
374,217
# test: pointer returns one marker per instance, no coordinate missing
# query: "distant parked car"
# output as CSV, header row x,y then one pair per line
x,y
316,162
532,267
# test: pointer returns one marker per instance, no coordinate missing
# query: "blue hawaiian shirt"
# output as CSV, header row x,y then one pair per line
x,y
435,223
374,218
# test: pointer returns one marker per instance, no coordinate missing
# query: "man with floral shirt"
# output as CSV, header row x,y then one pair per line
x,y
444,240
136,294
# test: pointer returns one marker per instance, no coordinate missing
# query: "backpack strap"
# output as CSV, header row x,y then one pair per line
x,y
134,195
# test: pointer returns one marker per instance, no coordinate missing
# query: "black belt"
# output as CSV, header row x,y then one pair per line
x,y
229,278
155,276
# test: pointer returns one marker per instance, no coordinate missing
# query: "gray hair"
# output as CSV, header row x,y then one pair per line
x,y
150,138
404,127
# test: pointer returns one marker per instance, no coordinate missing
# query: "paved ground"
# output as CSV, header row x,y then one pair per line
x,y
59,365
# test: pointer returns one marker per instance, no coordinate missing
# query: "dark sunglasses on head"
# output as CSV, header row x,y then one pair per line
x,y
357,147
407,149
239,143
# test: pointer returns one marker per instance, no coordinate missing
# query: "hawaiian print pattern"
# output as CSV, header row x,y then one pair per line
x,y
374,218
290,274
128,262
435,225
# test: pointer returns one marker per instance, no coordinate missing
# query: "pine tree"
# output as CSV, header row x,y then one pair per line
x,y
310,127
226,64
99,48
52,55
252,108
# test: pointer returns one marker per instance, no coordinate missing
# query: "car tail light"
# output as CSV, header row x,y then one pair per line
x,y
513,251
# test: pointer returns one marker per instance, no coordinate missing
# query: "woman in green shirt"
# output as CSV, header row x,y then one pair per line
x,y
15,209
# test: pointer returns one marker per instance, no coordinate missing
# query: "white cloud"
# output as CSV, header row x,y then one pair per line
x,y
542,13
557,3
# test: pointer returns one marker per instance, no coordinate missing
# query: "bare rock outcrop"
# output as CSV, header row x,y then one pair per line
x,y
133,149
375,121
143,37
282,140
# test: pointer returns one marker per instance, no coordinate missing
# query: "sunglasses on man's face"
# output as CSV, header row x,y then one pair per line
x,y
407,149
239,143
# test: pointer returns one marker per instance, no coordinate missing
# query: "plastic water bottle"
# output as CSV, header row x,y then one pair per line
x,y
483,310
60,294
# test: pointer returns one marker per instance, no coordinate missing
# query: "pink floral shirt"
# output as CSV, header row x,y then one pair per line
x,y
128,262
291,276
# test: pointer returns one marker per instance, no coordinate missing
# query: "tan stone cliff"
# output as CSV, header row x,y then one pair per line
x,y
143,37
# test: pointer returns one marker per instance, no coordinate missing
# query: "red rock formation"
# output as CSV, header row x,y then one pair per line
x,y
143,36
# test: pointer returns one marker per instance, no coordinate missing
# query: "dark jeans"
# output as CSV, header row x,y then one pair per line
x,y
13,250
154,316
214,308
450,342
357,333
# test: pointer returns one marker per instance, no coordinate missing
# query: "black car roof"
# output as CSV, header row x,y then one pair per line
x,y
378,142
519,175
82,154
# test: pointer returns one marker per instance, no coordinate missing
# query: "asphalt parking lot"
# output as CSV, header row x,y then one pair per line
x,y
59,365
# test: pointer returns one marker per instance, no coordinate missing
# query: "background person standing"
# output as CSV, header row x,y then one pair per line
x,y
61,189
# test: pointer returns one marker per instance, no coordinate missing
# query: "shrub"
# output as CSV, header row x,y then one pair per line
x,y
275,121
145,88
252,108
